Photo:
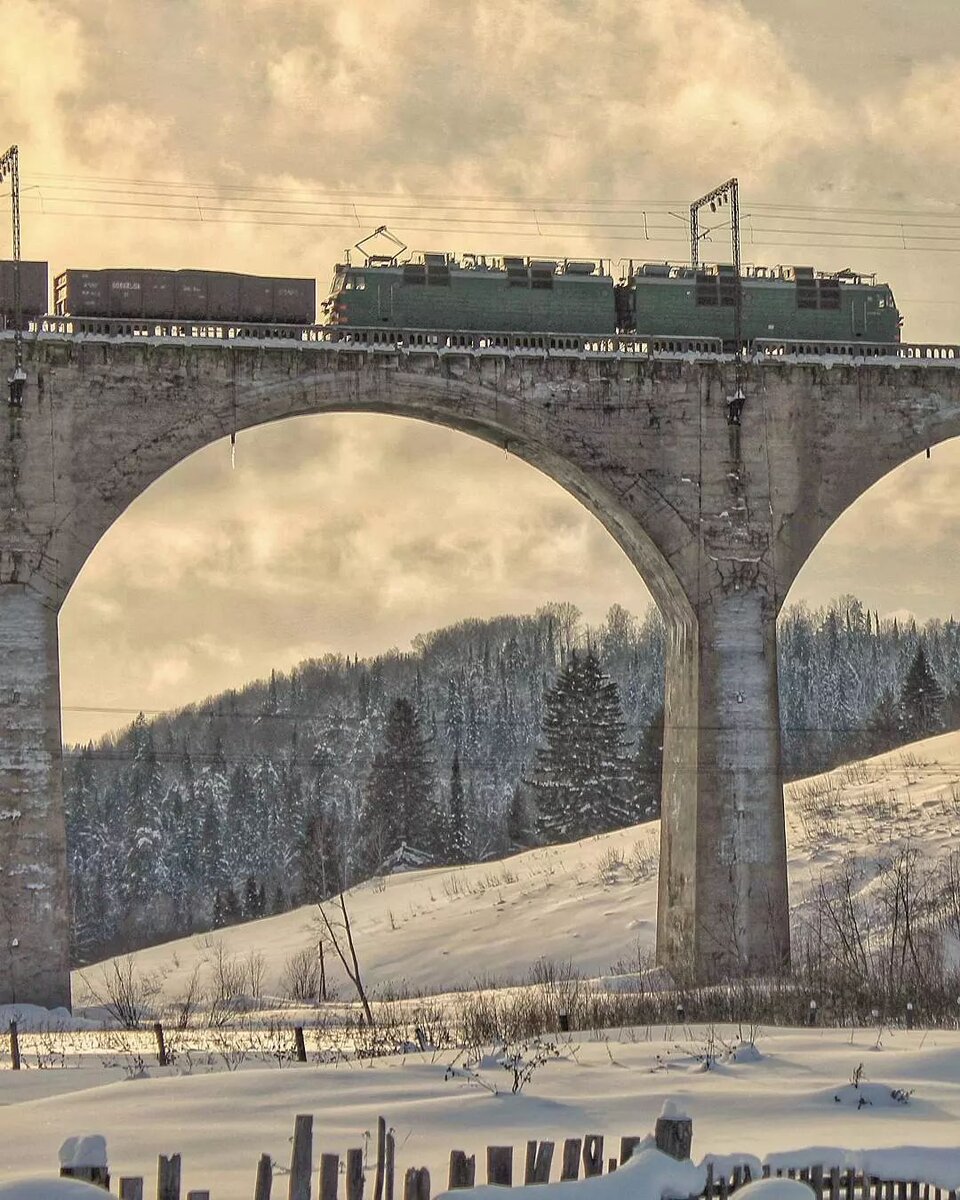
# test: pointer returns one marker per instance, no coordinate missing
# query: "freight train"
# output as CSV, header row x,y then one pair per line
x,y
483,294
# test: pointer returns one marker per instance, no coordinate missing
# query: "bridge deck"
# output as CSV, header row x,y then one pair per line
x,y
451,342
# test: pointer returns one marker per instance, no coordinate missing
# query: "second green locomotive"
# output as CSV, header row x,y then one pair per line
x,y
513,295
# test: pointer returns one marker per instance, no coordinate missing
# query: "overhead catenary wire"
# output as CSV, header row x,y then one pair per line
x,y
532,217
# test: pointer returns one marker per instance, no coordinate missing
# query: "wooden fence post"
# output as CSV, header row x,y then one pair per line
x,y
570,1167
592,1155
538,1162
131,1187
463,1170
354,1175
301,1158
416,1184
14,1046
381,1154
161,1044
168,1177
500,1165
674,1136
627,1147
329,1176
389,1166
264,1184
85,1158
300,1044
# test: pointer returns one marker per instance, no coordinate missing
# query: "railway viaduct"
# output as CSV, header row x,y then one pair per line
x,y
717,517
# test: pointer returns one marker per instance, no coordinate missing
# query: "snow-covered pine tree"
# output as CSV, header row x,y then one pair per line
x,y
582,776
921,699
399,786
883,726
521,821
458,845
648,771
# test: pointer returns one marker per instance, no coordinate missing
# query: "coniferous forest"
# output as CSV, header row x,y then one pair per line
x,y
483,738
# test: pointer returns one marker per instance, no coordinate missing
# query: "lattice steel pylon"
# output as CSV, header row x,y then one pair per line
x,y
10,166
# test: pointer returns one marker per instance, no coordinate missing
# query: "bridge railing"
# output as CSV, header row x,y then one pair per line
x,y
383,338
766,348
386,339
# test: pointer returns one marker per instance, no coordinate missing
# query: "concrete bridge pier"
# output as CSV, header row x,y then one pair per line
x,y
34,927
723,907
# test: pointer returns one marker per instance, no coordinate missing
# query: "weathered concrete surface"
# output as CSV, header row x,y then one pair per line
x,y
717,519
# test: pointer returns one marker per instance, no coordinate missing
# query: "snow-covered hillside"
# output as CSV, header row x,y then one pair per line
x,y
591,902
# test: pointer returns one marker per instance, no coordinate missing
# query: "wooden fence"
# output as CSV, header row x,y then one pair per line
x,y
580,1157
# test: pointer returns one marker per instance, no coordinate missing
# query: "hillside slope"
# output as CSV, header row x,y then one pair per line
x,y
592,902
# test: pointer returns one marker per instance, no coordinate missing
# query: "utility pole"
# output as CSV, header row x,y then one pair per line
x,y
726,193
10,166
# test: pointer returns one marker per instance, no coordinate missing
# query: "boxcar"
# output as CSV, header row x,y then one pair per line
x,y
185,295
33,290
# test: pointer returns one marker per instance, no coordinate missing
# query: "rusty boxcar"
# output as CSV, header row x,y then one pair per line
x,y
33,290
185,295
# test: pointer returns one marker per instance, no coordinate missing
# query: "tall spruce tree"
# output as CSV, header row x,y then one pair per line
x,y
583,776
399,786
883,727
921,699
648,771
458,841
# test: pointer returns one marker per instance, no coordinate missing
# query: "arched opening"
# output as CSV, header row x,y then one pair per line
x,y
333,536
884,578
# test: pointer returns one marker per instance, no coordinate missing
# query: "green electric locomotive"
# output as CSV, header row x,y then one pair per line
x,y
514,295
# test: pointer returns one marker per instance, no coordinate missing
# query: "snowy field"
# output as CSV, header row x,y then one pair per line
x,y
592,903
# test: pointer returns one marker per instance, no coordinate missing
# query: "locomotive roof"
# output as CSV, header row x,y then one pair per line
x,y
601,268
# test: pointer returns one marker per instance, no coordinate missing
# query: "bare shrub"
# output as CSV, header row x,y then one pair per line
x,y
644,860
255,967
228,977
127,994
612,866
300,980
182,1008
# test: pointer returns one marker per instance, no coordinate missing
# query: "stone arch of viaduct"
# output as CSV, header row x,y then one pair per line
x,y
717,518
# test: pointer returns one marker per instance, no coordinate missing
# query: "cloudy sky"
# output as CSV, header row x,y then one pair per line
x,y
541,126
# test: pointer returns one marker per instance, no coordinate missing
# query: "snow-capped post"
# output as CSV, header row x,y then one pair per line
x,y
300,1044
674,1131
909,1014
161,1044
301,1158
812,1015
85,1158
14,1046
681,1013
329,1176
389,1166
